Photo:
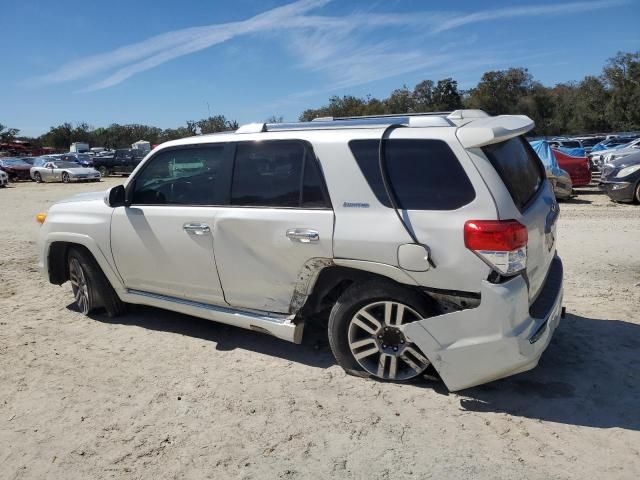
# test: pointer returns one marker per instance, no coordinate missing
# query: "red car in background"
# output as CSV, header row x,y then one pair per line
x,y
577,168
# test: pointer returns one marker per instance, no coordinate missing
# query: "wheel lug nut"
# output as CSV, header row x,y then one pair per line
x,y
395,349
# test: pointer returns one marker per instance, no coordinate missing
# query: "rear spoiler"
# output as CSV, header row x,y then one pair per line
x,y
485,131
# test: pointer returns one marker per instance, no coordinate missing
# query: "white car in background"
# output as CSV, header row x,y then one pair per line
x,y
601,157
66,172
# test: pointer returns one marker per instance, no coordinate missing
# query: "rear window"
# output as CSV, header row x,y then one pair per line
x,y
519,168
424,174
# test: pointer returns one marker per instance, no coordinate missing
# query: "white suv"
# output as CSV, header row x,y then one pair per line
x,y
429,240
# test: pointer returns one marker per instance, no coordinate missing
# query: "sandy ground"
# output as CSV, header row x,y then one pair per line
x,y
161,395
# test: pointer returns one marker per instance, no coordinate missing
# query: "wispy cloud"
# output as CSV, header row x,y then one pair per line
x,y
339,48
525,11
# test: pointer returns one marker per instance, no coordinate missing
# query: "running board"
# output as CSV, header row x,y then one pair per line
x,y
278,325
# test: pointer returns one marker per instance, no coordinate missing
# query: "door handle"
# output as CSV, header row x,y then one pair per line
x,y
196,228
303,235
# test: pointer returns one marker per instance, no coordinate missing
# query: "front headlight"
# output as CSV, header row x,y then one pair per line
x,y
628,171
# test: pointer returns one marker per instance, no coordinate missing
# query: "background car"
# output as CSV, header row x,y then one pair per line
x,y
560,180
15,168
577,167
620,179
121,161
4,179
61,171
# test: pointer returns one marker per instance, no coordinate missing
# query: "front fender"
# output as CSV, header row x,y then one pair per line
x,y
101,257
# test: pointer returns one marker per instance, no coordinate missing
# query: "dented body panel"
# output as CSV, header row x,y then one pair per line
x,y
498,338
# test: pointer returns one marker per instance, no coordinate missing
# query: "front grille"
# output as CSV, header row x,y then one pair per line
x,y
547,297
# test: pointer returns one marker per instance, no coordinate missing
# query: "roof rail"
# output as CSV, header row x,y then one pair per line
x,y
417,119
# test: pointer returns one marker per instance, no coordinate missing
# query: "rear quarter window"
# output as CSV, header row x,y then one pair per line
x,y
424,174
519,168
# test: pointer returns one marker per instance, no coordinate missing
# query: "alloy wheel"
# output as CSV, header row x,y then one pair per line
x,y
378,344
65,177
79,285
38,177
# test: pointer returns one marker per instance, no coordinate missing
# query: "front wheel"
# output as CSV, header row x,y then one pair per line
x,y
65,177
89,285
637,195
104,171
38,177
364,332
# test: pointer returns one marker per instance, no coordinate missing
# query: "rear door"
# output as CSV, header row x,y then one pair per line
x,y
278,226
523,175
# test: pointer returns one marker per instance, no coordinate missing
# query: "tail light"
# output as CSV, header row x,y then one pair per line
x,y
502,244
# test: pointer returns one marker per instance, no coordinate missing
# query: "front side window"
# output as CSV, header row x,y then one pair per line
x,y
184,176
276,174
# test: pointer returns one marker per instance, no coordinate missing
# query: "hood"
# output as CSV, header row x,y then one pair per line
x,y
86,197
17,167
633,159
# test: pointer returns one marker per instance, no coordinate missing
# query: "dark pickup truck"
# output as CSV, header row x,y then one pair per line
x,y
122,161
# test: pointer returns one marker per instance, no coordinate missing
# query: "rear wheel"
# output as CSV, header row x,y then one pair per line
x,y
65,177
637,195
104,171
364,331
90,287
38,177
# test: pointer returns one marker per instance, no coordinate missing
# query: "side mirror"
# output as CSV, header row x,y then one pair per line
x,y
117,197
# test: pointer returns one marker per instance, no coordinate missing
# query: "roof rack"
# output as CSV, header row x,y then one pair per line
x,y
421,119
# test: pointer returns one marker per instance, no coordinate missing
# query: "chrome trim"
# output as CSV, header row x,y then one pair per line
x,y
258,315
303,235
196,228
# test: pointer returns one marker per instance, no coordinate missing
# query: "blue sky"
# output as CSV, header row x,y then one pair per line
x,y
162,63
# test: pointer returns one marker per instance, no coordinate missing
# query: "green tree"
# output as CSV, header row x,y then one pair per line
x,y
219,123
401,100
498,92
622,77
8,134
446,96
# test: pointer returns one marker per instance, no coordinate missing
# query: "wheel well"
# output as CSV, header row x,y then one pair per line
x,y
57,261
331,282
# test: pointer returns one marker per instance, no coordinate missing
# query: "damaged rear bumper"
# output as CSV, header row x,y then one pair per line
x,y
503,336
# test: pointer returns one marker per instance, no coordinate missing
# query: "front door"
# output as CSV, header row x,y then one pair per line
x,y
164,242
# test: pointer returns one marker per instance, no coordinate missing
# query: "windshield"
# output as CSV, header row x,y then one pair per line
x,y
66,165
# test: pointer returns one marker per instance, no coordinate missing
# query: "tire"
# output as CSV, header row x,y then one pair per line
x,y
378,339
637,195
104,171
89,285
38,177
65,177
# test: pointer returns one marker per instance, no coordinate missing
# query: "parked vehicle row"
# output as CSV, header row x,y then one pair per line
x,y
46,169
62,171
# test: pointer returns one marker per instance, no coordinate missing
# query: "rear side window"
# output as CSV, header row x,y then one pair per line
x,y
276,174
519,168
424,174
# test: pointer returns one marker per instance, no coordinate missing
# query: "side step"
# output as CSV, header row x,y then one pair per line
x,y
278,325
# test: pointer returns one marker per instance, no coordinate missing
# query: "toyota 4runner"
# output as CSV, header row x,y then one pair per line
x,y
428,239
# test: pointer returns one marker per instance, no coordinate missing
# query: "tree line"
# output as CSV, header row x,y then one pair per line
x,y
604,103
